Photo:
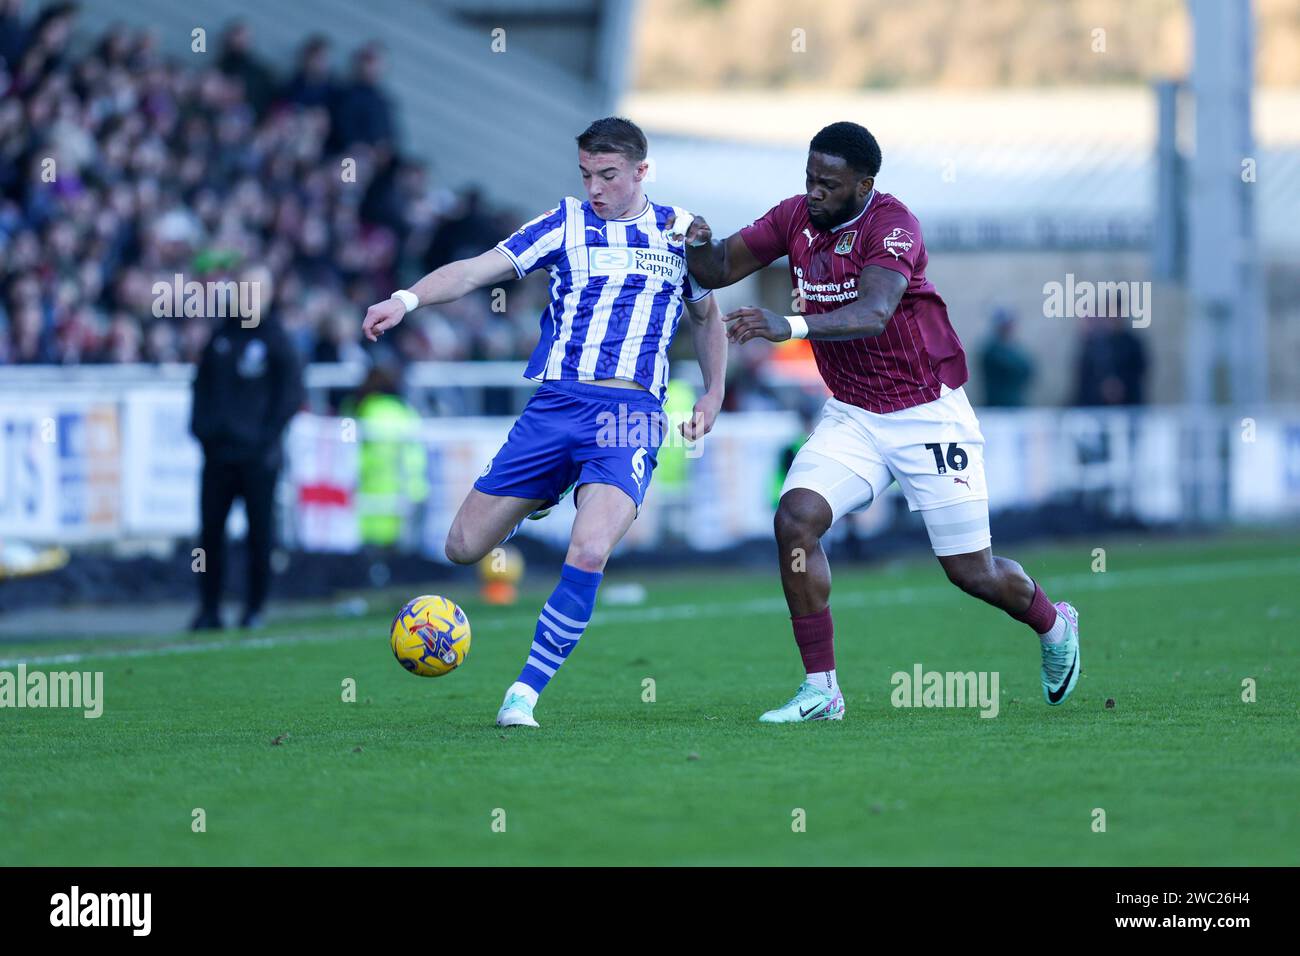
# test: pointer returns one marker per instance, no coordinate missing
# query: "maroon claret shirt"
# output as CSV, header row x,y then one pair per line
x,y
905,364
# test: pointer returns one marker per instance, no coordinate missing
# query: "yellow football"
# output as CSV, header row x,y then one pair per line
x,y
430,636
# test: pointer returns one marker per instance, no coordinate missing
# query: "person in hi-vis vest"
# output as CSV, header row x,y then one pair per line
x,y
392,478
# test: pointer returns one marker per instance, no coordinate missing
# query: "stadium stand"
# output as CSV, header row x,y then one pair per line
x,y
122,167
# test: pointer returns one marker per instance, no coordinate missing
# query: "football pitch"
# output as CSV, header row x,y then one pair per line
x,y
251,736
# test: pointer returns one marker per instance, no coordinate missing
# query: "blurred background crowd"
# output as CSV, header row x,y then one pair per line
x,y
120,168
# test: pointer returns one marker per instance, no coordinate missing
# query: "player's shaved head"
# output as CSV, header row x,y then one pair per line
x,y
843,160
614,134
850,142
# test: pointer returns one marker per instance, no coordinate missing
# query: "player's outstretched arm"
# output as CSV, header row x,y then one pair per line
x,y
444,284
715,265
710,339
879,291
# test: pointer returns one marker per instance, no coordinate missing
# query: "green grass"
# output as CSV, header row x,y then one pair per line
x,y
1186,772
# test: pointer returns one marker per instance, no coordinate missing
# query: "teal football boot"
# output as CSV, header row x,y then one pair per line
x,y
1061,661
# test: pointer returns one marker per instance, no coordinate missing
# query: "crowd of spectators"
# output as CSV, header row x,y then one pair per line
x,y
120,168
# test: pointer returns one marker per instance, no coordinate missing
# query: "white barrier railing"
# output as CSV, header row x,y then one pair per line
x,y
80,464
445,388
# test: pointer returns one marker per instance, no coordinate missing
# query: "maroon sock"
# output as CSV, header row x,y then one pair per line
x,y
815,635
1041,613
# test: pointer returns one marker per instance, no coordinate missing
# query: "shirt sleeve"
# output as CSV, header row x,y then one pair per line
x,y
767,237
693,291
537,243
894,242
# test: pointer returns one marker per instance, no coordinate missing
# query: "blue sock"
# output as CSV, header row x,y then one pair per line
x,y
560,625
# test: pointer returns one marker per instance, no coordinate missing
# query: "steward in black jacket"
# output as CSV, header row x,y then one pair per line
x,y
247,388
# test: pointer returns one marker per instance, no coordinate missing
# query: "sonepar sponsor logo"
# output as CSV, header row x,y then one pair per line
x,y
77,909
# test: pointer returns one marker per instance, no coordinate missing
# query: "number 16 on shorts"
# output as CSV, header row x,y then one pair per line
x,y
955,457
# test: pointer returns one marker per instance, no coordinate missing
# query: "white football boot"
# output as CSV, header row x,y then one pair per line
x,y
516,711
808,703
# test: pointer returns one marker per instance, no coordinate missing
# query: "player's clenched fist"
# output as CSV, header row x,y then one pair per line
x,y
751,323
381,317
703,416
697,231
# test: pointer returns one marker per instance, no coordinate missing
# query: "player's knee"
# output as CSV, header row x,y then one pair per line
x,y
587,557
797,520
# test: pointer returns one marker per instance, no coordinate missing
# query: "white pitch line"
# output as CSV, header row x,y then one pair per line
x,y
1100,581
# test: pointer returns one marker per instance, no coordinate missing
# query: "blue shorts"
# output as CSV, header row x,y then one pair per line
x,y
578,433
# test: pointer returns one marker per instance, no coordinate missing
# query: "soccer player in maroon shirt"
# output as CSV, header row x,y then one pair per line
x,y
899,412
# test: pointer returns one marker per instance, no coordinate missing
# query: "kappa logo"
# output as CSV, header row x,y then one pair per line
x,y
845,245
898,242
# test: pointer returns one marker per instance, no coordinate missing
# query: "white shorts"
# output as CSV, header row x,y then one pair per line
x,y
935,451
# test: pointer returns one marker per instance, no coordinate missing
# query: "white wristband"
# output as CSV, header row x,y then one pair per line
x,y
798,326
682,225
407,298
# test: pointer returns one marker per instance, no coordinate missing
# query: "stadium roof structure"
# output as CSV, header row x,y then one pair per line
x,y
1025,169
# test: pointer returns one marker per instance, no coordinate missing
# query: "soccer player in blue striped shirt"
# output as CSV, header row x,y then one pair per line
x,y
619,286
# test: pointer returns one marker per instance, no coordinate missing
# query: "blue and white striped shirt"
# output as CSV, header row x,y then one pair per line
x,y
617,289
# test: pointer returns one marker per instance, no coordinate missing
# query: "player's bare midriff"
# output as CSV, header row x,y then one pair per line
x,y
619,383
